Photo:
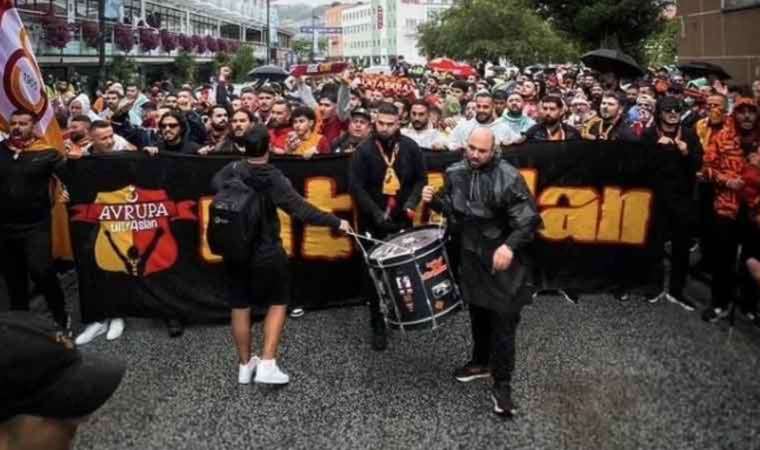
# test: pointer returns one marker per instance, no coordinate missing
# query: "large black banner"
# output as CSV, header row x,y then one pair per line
x,y
137,226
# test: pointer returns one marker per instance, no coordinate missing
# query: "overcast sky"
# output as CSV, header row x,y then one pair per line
x,y
303,2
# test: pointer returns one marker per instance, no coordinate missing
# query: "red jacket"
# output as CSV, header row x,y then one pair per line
x,y
332,128
278,138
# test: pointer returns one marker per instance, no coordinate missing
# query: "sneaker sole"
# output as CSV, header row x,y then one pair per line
x,y
276,383
92,338
500,411
469,378
674,300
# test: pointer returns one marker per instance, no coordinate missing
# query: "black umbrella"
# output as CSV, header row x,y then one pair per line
x,y
697,69
271,73
608,60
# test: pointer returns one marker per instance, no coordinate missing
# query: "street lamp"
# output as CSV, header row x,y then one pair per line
x,y
269,40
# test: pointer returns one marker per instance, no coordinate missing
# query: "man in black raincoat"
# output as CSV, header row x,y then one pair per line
x,y
487,201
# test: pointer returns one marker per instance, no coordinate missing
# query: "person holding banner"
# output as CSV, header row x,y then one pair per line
x,y
683,153
484,118
386,178
265,278
487,201
27,167
359,129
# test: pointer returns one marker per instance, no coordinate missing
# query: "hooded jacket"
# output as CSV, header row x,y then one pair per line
x,y
725,160
490,206
84,100
276,191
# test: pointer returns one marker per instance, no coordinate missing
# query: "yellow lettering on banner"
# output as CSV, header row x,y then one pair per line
x,y
286,232
577,221
320,242
204,203
531,179
625,216
435,179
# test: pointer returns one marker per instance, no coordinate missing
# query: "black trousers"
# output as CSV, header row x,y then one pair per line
x,y
368,290
728,235
493,337
29,256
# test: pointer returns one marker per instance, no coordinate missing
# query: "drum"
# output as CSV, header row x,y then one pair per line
x,y
414,279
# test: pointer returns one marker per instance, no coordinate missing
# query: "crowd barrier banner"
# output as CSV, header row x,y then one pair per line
x,y
138,225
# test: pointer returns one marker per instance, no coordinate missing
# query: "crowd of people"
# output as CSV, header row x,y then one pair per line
x,y
714,128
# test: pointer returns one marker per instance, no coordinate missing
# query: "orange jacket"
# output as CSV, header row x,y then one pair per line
x,y
724,160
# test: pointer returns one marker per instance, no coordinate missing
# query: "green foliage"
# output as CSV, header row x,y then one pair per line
x,y
242,63
184,69
123,68
661,48
303,47
619,24
491,29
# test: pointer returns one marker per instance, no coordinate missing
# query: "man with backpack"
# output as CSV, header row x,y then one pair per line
x,y
244,228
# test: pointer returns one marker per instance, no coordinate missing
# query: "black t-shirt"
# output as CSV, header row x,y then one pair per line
x,y
25,187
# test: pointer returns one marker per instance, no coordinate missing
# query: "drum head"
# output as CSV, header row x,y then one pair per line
x,y
407,243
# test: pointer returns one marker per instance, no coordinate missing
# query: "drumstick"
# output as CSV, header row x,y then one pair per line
x,y
377,241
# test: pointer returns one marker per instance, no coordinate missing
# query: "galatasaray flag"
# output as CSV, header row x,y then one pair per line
x,y
23,88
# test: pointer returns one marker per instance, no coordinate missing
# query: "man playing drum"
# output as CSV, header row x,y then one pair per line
x,y
487,201
386,179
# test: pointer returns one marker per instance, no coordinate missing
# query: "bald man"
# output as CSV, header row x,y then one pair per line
x,y
491,198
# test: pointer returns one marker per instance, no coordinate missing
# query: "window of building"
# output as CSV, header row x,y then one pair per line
x,y
202,25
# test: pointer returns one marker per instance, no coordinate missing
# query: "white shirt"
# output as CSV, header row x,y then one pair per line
x,y
119,145
426,138
500,128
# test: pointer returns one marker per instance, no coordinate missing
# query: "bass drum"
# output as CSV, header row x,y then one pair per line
x,y
414,279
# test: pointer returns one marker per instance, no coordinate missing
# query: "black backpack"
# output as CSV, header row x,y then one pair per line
x,y
233,226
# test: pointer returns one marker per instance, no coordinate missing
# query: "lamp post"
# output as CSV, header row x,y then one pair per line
x,y
101,40
269,40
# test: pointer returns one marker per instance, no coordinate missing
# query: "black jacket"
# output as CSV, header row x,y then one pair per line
x,y
538,133
366,177
679,180
345,144
277,192
491,206
25,201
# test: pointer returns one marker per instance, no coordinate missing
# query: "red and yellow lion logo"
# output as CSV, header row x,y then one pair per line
x,y
135,234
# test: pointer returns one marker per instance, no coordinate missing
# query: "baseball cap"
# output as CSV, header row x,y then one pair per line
x,y
43,374
361,112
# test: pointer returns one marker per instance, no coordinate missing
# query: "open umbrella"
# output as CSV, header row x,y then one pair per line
x,y
696,69
608,60
272,73
448,65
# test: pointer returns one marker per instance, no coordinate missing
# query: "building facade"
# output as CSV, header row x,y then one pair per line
x,y
723,32
376,31
334,19
232,21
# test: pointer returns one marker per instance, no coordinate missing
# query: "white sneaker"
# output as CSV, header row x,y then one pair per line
x,y
297,312
267,372
115,329
245,371
90,332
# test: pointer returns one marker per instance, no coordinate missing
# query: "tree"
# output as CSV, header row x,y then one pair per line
x,y
661,48
618,24
491,29
123,68
242,63
303,47
183,68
